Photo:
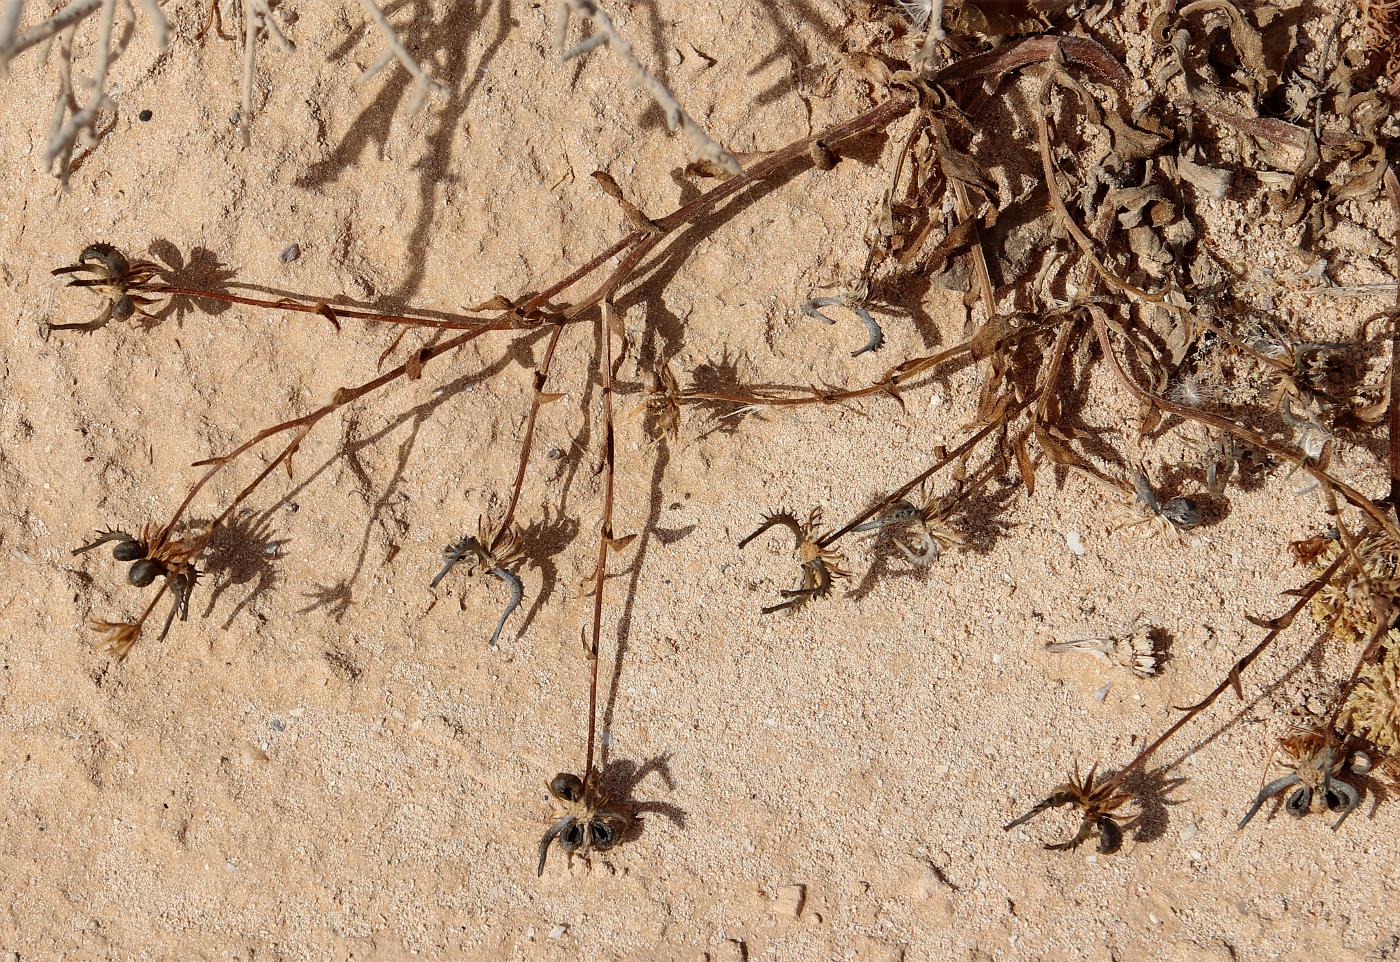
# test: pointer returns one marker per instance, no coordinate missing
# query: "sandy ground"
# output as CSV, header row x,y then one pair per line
x,y
328,762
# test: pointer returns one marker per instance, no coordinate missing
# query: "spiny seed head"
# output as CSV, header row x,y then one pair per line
x,y
1344,604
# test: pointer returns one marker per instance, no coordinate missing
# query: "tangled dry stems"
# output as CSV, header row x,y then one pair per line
x,y
1138,296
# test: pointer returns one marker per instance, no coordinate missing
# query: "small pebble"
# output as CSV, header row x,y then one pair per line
x,y
788,900
555,454
290,253
558,931
144,116
234,118
1076,545
277,725
293,507
731,950
1102,693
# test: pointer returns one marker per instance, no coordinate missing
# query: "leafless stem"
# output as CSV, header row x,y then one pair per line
x,y
1277,627
605,534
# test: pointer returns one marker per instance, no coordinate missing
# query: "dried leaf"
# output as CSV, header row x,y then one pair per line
x,y
631,211
961,167
1024,464
1212,181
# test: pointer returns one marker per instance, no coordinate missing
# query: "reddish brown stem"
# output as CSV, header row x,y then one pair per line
x,y
918,479
342,397
889,384
605,535
1279,625
537,402
323,307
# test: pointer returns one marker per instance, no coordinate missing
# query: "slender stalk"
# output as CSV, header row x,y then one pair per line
x,y
918,479
537,402
342,397
1232,679
327,310
605,535
1392,189
889,384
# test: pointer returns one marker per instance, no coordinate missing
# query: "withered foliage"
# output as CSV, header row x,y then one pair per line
x,y
1067,200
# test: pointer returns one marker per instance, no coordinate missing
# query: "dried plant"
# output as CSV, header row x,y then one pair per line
x,y
585,820
1373,708
819,565
1097,804
1134,650
1315,762
495,549
1129,304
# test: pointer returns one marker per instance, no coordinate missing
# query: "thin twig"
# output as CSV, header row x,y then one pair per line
x,y
1232,679
395,50
605,534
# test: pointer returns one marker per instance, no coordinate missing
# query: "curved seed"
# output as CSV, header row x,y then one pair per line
x,y
517,592
143,572
566,787
1265,793
1299,803
548,840
603,835
1110,835
1182,512
1341,797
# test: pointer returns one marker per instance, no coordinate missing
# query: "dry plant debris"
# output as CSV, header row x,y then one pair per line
x,y
1125,296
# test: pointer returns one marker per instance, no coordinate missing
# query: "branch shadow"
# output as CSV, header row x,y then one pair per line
x,y
243,550
444,44
620,780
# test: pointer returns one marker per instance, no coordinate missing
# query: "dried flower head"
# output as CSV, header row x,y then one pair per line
x,y
1096,802
1373,708
1135,650
156,554
1314,779
584,820
115,638
663,404
820,566
1345,604
495,549
127,286
931,526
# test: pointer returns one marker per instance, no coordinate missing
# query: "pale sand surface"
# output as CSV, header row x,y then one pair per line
x,y
282,780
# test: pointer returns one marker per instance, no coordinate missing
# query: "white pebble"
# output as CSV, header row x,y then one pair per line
x,y
558,931
1076,546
